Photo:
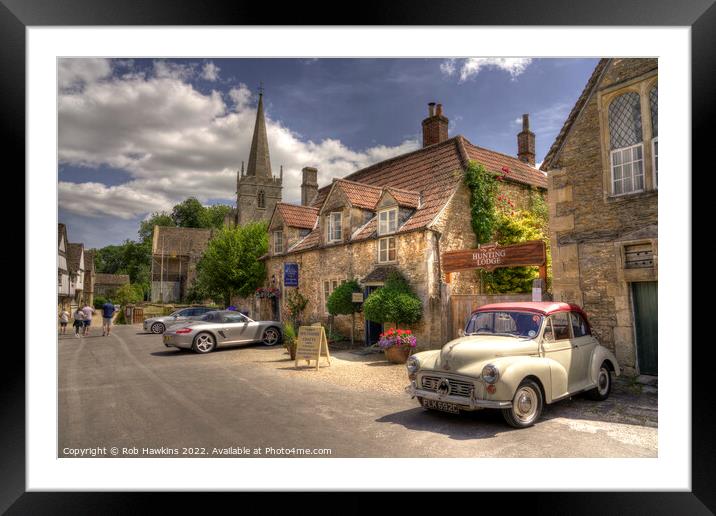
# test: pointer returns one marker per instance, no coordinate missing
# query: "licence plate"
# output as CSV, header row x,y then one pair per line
x,y
441,405
167,338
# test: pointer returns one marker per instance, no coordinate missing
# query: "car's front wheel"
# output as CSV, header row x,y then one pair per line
x,y
526,405
204,343
604,385
157,327
271,337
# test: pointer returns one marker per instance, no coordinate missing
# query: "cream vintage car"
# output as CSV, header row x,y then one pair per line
x,y
514,357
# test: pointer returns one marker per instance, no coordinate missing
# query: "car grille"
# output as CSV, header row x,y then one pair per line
x,y
457,387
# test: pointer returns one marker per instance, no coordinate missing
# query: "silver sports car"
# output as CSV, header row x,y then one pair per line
x,y
220,328
161,323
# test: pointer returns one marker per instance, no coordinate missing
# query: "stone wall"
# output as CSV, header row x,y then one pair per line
x,y
588,225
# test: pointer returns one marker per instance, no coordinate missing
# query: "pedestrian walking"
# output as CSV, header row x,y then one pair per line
x,y
108,310
89,312
64,319
79,321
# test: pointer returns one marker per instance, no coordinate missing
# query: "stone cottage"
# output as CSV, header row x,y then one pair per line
x,y
399,214
107,285
175,253
603,199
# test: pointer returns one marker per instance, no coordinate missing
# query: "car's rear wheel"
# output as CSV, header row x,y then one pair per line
x,y
204,343
157,327
271,337
526,405
604,384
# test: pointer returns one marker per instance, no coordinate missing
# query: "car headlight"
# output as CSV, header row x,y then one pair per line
x,y
490,373
413,364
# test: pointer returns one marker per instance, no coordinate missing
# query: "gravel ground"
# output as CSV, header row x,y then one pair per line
x,y
370,372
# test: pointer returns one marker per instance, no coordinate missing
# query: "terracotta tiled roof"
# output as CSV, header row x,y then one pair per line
x,y
298,216
434,171
111,279
360,195
407,198
74,253
581,101
493,161
180,241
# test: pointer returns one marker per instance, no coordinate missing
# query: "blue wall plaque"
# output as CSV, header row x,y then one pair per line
x,y
290,274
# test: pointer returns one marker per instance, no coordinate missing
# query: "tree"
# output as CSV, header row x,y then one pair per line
x,y
230,265
146,227
340,302
189,214
395,302
128,294
132,258
214,215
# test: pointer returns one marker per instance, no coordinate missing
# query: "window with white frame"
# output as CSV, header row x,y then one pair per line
x,y
626,145
329,285
334,227
386,249
653,105
278,242
388,221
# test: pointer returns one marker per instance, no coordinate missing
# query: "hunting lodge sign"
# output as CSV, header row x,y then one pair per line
x,y
493,256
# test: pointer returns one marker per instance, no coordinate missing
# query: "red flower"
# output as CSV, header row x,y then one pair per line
x,y
408,332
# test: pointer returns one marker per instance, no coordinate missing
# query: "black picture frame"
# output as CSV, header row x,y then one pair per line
x,y
700,15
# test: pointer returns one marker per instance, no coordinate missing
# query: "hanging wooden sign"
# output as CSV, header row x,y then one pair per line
x,y
493,256
312,345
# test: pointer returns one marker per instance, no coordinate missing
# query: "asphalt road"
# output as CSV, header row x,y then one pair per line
x,y
127,391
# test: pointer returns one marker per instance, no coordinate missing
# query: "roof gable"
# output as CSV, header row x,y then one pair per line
x,y
74,257
589,88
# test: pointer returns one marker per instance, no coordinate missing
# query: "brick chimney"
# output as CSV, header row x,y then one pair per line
x,y
309,185
435,126
526,142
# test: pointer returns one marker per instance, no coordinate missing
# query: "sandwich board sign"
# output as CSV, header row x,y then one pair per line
x,y
312,345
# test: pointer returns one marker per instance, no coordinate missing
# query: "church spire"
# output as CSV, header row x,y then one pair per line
x,y
259,161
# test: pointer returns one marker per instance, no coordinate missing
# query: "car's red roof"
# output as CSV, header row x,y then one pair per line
x,y
542,307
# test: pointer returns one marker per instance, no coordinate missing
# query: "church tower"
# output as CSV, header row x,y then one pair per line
x,y
257,189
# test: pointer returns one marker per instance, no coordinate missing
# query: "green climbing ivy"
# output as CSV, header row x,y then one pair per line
x,y
483,190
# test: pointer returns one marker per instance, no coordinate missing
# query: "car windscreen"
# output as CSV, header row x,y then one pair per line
x,y
518,324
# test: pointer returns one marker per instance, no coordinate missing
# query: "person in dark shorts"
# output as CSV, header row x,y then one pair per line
x,y
79,321
108,310
88,311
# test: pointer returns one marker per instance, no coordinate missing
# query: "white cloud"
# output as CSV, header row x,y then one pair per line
x,y
78,72
210,72
471,66
175,142
171,70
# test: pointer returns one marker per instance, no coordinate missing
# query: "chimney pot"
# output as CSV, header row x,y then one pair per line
x,y
435,126
526,122
526,142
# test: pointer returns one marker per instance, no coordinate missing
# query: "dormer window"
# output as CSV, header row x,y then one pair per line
x,y
388,221
334,227
278,242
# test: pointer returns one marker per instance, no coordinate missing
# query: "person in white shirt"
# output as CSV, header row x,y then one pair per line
x,y
88,311
64,319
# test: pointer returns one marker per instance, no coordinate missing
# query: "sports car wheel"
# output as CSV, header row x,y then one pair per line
x,y
157,327
604,385
526,405
204,343
271,337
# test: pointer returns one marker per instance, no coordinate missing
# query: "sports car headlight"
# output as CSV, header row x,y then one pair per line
x,y
413,364
490,373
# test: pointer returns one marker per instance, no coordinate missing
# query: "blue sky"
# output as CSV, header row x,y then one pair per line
x,y
139,135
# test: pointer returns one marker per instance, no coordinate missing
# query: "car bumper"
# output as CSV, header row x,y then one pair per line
x,y
465,403
178,341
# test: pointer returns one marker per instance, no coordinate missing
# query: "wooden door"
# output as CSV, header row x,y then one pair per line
x,y
645,300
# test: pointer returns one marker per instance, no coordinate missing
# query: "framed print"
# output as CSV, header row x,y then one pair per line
x,y
189,162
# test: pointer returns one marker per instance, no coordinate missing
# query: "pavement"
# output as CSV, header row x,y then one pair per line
x,y
127,395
